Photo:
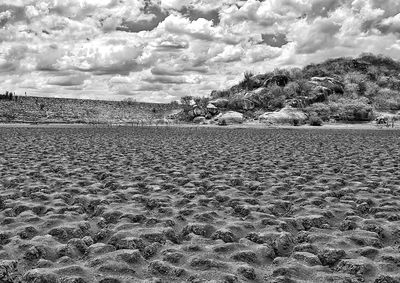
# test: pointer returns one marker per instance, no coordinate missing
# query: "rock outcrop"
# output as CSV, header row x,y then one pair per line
x,y
287,115
329,83
220,102
230,117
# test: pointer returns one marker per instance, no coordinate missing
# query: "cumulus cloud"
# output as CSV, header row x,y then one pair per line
x,y
229,54
174,4
158,50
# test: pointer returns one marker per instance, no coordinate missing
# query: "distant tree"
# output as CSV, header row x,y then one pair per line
x,y
246,83
187,107
186,100
298,88
202,102
129,101
296,74
174,103
281,72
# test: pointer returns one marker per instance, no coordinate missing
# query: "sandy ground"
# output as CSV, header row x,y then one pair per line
x,y
177,204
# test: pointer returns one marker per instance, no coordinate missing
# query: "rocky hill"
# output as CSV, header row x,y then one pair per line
x,y
344,89
59,110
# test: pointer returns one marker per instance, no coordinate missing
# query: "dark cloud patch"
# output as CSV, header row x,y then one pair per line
x,y
202,70
74,80
150,87
274,40
17,14
171,44
367,26
163,79
159,71
322,8
390,7
158,15
121,68
389,25
145,87
194,14
8,67
163,71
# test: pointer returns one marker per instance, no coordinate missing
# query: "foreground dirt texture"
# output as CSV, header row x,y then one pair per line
x,y
199,205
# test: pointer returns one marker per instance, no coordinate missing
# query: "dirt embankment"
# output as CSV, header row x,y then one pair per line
x,y
59,110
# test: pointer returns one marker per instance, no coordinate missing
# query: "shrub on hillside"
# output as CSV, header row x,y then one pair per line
x,y
274,98
371,90
387,99
355,84
352,109
320,110
296,74
220,94
297,88
246,83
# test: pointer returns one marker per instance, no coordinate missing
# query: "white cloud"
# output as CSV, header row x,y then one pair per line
x,y
174,4
229,54
5,15
258,53
158,50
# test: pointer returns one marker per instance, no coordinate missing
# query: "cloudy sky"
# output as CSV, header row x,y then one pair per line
x,y
160,50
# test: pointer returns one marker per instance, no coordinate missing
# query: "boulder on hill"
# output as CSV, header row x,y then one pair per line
x,y
230,117
256,81
212,109
328,82
241,103
196,111
318,94
220,102
199,120
287,115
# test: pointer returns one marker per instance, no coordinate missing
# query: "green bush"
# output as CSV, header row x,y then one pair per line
x,y
321,110
387,99
351,109
315,121
246,83
222,123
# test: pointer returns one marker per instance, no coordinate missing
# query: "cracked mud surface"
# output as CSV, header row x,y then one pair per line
x,y
199,205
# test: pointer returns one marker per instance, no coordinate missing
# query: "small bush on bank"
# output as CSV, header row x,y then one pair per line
x,y
321,110
222,123
315,121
